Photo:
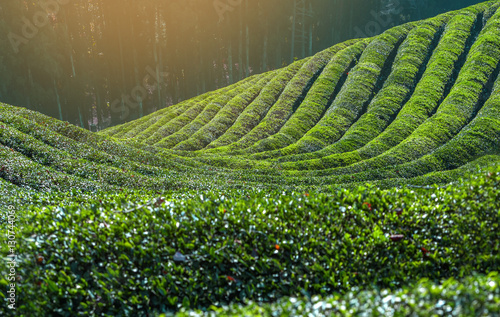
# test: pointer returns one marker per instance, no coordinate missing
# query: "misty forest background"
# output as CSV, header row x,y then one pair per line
x,y
97,63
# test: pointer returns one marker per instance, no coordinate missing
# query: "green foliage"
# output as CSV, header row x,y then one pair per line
x,y
358,89
106,253
371,165
254,113
182,126
156,119
473,296
225,117
316,100
292,95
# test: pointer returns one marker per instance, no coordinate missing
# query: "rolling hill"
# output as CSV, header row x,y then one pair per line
x,y
372,164
417,102
420,98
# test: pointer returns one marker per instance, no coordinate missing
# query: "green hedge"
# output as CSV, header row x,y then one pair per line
x,y
252,114
120,130
64,162
456,110
422,103
164,128
70,138
18,170
428,94
162,117
412,59
291,97
477,295
317,100
435,178
366,71
356,93
184,126
130,253
225,117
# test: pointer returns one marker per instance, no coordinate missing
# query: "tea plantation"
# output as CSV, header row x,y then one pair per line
x,y
364,180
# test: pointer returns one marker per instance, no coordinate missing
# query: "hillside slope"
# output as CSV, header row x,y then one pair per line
x,y
420,97
415,105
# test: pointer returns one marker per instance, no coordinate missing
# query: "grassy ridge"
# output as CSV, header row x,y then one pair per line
x,y
401,150
373,164
428,94
358,106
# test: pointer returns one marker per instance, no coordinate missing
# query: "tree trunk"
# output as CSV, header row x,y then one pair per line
x,y
311,30
98,111
157,64
247,66
122,64
303,33
278,48
202,69
136,75
293,31
58,101
230,62
240,47
81,117
264,55
30,79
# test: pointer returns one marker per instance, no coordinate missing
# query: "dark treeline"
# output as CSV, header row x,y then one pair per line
x,y
97,63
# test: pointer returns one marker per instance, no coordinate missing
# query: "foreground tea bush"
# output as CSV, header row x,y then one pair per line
x,y
111,254
474,296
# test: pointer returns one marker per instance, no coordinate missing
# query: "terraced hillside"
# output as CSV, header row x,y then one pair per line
x,y
372,164
420,98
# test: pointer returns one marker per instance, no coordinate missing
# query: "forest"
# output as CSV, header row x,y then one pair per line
x,y
99,63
